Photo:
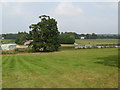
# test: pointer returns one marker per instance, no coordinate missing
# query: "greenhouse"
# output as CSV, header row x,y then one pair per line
x,y
8,46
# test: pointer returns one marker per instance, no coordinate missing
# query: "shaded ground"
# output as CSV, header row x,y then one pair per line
x,y
108,61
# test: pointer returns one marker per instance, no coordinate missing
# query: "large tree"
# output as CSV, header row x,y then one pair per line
x,y
45,34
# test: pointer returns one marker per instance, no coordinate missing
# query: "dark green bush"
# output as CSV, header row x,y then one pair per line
x,y
66,39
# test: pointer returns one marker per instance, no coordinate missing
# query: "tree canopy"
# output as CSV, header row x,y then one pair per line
x,y
44,35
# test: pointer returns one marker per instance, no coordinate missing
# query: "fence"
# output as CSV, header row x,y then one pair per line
x,y
99,46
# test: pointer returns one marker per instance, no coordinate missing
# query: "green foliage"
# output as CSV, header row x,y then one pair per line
x,y
66,39
45,35
21,38
97,36
91,36
9,36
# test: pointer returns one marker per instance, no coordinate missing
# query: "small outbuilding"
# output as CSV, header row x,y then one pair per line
x,y
82,37
8,46
2,37
28,42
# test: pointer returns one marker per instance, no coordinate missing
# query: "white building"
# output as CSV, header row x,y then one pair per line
x,y
2,37
28,42
82,37
8,46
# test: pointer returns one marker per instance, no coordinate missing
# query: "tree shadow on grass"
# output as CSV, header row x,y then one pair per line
x,y
109,61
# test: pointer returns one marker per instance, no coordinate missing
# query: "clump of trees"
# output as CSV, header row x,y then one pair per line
x,y
21,38
9,36
67,38
87,36
97,36
45,35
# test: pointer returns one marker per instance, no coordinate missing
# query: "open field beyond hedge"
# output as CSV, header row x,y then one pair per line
x,y
7,41
81,68
96,41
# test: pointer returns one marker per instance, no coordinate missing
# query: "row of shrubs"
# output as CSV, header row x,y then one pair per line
x,y
108,45
83,47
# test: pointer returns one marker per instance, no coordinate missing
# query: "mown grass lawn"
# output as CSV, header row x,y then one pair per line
x,y
79,68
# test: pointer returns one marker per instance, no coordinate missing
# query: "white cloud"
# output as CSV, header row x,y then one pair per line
x,y
68,9
14,10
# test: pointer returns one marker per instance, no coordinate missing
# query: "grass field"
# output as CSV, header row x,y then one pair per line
x,y
7,41
81,68
96,41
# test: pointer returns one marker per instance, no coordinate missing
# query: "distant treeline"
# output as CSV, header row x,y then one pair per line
x,y
93,35
9,36
72,34
97,36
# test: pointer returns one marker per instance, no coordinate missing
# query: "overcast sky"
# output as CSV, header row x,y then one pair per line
x,y
80,17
